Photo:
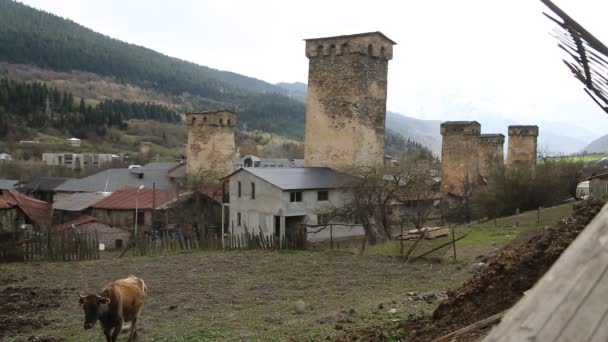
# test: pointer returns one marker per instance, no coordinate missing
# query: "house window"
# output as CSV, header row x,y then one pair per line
x,y
238,219
323,195
295,196
252,190
239,190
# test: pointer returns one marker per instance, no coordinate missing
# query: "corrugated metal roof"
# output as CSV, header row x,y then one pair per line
x,y
46,183
113,179
302,178
79,201
8,184
37,211
125,198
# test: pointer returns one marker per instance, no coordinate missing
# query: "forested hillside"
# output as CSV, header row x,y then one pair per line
x,y
26,106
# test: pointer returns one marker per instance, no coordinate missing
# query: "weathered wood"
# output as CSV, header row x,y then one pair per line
x,y
569,302
439,247
475,326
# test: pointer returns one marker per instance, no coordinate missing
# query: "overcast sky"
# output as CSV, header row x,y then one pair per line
x,y
454,59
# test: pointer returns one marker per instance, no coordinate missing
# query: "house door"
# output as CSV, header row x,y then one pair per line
x,y
277,226
293,231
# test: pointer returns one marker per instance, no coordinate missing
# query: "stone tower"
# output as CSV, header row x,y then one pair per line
x,y
346,105
211,143
459,156
490,153
522,146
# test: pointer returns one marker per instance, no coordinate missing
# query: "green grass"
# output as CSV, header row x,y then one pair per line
x,y
589,158
481,237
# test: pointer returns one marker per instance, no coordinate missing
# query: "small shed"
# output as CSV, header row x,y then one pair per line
x,y
598,185
74,142
111,236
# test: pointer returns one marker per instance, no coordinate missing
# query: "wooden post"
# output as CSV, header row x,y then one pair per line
x,y
517,217
401,240
538,215
331,236
453,243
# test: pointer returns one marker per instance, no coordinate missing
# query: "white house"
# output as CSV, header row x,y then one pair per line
x,y
5,156
279,200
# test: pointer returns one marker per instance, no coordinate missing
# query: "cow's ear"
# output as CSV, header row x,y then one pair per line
x,y
81,298
103,300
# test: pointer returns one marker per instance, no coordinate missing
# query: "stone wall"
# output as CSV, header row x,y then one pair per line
x,y
346,105
490,153
459,156
522,146
211,143
108,235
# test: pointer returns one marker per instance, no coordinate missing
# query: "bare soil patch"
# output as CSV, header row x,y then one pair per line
x,y
500,283
239,296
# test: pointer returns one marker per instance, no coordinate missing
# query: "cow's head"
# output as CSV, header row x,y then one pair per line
x,y
93,305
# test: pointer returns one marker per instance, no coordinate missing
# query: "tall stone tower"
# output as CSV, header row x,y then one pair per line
x,y
459,156
490,153
522,146
211,143
346,106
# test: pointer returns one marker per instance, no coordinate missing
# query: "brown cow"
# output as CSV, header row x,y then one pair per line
x,y
118,302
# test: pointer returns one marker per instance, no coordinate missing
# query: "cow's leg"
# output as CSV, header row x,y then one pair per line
x,y
108,333
133,332
117,329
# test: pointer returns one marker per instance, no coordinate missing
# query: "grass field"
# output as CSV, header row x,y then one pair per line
x,y
251,295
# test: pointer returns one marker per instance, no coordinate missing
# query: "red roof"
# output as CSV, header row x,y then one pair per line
x,y
213,193
125,198
39,212
82,220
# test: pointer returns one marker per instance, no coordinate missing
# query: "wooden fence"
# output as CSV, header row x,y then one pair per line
x,y
68,245
164,243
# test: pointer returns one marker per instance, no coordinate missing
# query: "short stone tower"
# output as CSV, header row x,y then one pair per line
x,y
490,153
346,106
459,156
211,142
522,146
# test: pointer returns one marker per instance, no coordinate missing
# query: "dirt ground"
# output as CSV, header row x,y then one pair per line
x,y
501,281
232,296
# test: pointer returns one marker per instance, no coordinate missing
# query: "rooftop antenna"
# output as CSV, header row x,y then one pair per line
x,y
107,181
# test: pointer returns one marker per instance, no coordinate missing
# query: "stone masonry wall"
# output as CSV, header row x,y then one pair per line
x,y
211,143
490,153
522,146
346,106
107,234
459,156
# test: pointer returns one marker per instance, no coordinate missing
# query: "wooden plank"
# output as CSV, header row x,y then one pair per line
x,y
475,326
568,292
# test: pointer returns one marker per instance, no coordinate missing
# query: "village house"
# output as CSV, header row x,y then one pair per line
x,y
74,142
162,176
121,206
18,211
5,157
598,185
75,205
253,161
78,160
108,235
279,200
43,188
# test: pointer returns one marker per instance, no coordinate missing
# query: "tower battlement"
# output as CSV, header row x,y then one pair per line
x,y
372,44
460,128
492,139
211,118
523,130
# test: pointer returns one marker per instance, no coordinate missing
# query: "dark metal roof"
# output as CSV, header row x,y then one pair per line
x,y
356,35
46,183
8,184
113,179
302,178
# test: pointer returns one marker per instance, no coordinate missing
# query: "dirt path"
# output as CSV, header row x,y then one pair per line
x,y
250,295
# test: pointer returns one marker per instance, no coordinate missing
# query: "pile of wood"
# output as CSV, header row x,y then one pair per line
x,y
426,233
